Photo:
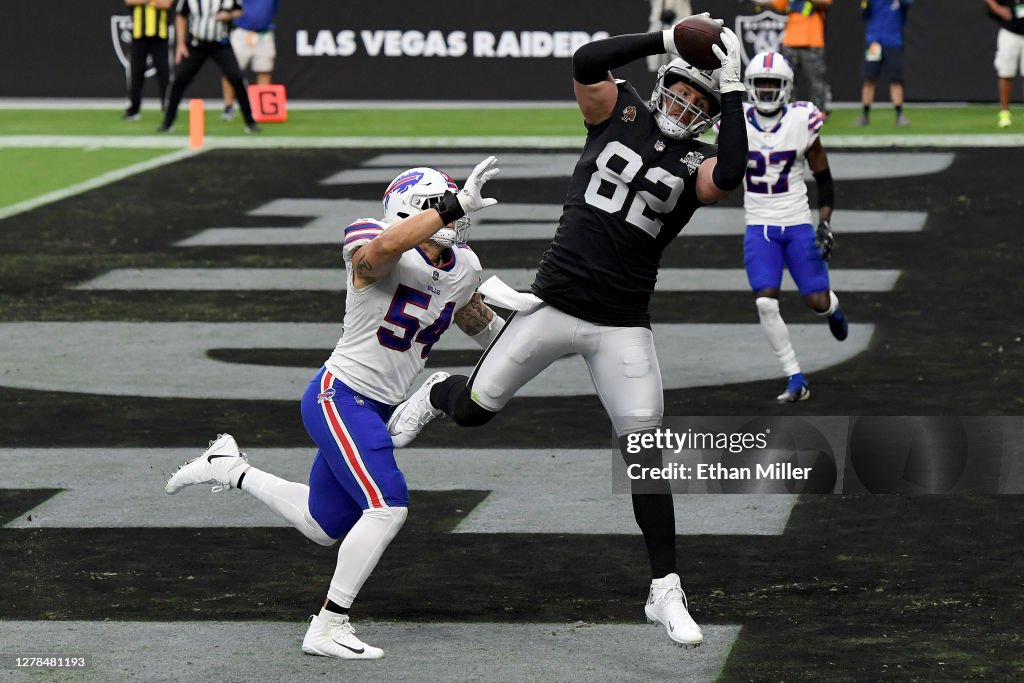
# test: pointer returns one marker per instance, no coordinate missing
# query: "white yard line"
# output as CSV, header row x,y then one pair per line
x,y
93,183
496,142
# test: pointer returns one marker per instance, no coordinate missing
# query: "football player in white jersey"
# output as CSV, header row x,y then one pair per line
x,y
409,276
780,135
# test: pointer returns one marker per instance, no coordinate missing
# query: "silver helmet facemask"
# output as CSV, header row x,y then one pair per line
x,y
677,118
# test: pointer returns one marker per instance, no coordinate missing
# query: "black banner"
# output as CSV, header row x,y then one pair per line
x,y
399,51
906,455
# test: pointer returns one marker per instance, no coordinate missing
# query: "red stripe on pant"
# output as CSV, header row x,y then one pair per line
x,y
348,447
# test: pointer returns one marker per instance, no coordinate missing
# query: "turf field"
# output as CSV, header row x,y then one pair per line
x,y
517,562
564,120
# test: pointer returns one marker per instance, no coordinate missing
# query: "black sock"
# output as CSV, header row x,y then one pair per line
x,y
866,110
654,511
899,110
455,400
335,607
440,393
656,518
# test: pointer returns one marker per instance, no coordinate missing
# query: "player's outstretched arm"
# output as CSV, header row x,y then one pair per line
x,y
478,321
591,64
378,257
719,176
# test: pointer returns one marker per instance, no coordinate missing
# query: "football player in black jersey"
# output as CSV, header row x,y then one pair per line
x,y
642,174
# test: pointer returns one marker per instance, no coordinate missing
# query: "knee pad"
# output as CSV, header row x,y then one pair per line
x,y
315,533
393,517
767,307
636,421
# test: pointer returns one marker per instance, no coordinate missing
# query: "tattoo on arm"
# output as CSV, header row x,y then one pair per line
x,y
364,267
474,316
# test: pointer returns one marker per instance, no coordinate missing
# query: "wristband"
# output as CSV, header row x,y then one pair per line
x,y
669,39
450,208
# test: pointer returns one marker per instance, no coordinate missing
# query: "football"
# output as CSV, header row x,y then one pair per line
x,y
694,37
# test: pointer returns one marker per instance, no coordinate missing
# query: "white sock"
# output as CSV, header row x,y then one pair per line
x,y
666,581
361,550
778,334
832,307
288,499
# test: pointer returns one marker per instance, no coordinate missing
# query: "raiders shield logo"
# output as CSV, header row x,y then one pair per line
x,y
629,114
121,35
760,33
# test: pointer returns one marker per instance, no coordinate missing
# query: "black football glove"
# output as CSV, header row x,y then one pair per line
x,y
824,239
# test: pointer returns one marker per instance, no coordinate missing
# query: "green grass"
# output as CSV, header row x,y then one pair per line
x,y
964,120
311,123
28,172
560,121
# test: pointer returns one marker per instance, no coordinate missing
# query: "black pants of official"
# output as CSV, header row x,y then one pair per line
x,y
198,53
140,49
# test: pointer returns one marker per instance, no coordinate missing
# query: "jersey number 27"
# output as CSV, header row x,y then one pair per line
x,y
757,167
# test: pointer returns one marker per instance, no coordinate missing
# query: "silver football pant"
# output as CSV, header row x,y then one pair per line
x,y
622,361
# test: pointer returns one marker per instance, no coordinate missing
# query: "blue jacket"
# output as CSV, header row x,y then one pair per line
x,y
885,20
257,15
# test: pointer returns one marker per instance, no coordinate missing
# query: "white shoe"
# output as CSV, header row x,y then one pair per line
x,y
335,637
411,416
666,605
217,466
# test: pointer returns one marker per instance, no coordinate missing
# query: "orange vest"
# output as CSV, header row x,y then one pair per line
x,y
804,28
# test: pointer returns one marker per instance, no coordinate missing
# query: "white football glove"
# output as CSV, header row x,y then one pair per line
x,y
731,62
469,196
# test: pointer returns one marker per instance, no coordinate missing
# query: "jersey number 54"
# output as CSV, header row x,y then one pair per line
x,y
410,325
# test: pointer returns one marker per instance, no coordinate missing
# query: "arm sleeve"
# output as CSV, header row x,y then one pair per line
x,y
358,234
732,144
591,63
826,188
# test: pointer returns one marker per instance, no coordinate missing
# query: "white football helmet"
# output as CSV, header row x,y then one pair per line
x,y
419,189
671,111
769,81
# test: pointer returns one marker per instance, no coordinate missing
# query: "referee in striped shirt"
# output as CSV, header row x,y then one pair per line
x,y
202,32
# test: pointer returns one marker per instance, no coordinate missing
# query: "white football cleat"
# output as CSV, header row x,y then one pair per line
x,y
666,605
334,637
217,466
411,416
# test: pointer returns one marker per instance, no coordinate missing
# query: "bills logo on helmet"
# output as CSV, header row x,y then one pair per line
x,y
402,184
629,114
